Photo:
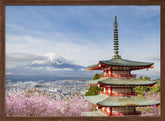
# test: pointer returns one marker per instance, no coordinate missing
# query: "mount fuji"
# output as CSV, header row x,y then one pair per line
x,y
56,62
50,64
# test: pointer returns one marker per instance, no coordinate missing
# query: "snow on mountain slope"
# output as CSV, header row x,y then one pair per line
x,y
56,61
54,58
51,58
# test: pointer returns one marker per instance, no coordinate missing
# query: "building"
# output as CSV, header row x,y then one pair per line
x,y
117,97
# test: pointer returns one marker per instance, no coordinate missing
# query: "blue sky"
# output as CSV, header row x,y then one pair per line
x,y
83,34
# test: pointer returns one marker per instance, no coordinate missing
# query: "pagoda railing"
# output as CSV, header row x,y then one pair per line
x,y
119,94
119,76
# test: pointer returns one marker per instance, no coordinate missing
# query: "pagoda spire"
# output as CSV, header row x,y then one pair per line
x,y
116,42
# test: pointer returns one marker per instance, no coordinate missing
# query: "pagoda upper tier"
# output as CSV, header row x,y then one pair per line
x,y
120,82
120,64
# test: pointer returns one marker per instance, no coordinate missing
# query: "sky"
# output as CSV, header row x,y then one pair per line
x,y
82,34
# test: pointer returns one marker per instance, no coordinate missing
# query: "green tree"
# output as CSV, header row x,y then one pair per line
x,y
93,90
155,89
140,89
146,78
141,78
96,76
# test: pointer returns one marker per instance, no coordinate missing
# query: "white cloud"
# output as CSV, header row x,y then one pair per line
x,y
9,73
59,69
82,69
24,57
40,62
51,69
76,46
82,54
155,58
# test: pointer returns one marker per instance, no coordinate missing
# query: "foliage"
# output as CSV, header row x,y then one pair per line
x,y
150,90
141,78
146,78
96,76
155,89
93,90
141,89
21,104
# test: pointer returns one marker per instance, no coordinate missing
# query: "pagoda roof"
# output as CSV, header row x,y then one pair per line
x,y
112,101
121,82
93,113
121,62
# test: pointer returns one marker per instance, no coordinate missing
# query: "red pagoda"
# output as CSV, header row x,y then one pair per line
x,y
117,97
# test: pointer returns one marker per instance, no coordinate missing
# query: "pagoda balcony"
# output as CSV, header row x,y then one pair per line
x,y
119,76
118,94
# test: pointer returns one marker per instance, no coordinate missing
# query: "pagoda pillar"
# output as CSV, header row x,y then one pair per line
x,y
109,111
111,91
104,90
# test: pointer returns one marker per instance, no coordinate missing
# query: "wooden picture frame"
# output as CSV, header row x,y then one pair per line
x,y
78,2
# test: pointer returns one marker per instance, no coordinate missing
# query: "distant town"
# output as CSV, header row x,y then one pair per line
x,y
59,89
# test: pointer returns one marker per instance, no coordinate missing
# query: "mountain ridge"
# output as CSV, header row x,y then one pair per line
x,y
49,64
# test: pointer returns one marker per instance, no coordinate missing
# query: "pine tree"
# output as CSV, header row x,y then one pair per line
x,y
96,76
93,90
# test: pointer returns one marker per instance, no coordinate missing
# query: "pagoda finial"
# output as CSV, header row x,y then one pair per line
x,y
116,42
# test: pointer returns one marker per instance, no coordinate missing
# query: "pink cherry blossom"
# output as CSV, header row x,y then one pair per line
x,y
20,104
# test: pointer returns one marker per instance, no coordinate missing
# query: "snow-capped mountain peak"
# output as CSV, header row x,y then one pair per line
x,y
51,59
54,58
50,63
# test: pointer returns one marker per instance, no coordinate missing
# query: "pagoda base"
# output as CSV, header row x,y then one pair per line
x,y
114,113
